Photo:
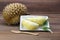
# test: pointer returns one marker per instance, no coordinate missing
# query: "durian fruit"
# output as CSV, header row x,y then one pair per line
x,y
38,20
29,25
12,12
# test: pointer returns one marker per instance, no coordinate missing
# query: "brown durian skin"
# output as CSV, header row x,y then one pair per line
x,y
13,11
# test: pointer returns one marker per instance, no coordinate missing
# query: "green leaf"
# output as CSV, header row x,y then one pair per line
x,y
45,28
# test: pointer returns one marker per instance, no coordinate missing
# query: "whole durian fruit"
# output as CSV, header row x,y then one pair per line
x,y
12,12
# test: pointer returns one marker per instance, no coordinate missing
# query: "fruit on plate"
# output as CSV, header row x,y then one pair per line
x,y
29,25
12,12
38,20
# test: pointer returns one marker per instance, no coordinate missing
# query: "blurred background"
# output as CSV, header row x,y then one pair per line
x,y
35,5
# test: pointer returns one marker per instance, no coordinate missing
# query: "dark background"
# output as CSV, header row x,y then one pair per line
x,y
36,5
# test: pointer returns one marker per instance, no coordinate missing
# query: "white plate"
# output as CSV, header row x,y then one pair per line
x,y
29,16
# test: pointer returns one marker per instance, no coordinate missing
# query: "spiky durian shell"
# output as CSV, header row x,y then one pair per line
x,y
12,12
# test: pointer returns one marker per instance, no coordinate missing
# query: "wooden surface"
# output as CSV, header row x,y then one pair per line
x,y
49,8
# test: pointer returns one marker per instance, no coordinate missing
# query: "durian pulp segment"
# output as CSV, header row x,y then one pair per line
x,y
29,25
38,20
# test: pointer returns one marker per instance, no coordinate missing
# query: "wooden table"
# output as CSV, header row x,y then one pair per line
x,y
49,8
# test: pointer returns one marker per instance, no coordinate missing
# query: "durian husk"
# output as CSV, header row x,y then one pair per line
x,y
13,11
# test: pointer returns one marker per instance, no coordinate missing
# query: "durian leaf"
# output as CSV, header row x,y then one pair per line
x,y
44,27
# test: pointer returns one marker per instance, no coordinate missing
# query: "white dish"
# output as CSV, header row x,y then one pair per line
x,y
29,16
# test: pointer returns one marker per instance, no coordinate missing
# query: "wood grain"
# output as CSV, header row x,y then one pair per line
x,y
35,5
54,23
50,8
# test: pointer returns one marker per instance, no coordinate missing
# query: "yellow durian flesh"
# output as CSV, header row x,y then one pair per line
x,y
38,20
29,25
